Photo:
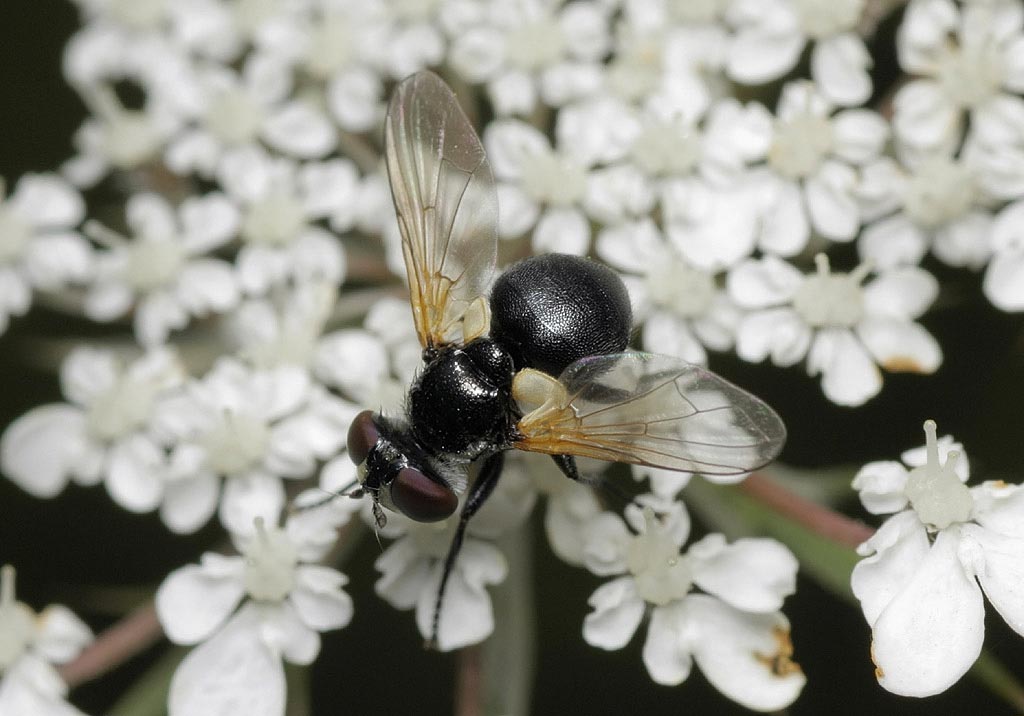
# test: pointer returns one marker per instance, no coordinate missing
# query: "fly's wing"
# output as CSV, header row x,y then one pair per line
x,y
647,409
447,209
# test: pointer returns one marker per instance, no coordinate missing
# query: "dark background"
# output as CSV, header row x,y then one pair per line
x,y
64,548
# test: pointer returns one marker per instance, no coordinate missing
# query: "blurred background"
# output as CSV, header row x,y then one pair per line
x,y
83,551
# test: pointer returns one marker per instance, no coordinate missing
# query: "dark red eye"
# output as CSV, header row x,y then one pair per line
x,y
362,435
420,498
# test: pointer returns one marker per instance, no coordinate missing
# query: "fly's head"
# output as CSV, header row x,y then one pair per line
x,y
392,477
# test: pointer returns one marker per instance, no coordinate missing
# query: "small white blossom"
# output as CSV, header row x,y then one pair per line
x,y
527,52
116,138
163,271
811,173
921,581
286,600
681,307
845,330
102,434
228,112
931,201
39,247
968,58
30,644
771,34
280,204
539,188
253,427
412,566
735,631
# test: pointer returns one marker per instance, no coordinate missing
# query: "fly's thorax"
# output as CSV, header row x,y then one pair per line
x,y
459,405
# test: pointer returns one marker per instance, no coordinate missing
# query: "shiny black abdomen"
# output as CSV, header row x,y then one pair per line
x,y
549,311
460,403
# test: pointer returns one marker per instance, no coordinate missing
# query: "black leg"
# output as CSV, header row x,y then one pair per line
x,y
478,494
567,464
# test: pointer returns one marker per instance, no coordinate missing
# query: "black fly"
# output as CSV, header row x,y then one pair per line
x,y
538,362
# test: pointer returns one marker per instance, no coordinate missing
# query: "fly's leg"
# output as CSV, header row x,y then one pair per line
x,y
567,464
478,494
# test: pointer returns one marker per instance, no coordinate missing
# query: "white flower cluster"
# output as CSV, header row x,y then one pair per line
x,y
673,139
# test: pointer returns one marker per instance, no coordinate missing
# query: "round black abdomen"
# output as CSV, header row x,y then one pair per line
x,y
549,311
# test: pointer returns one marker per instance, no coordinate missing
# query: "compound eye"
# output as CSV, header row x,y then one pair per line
x,y
420,498
362,436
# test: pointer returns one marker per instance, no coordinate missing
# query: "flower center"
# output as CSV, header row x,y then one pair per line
x,y
800,144
695,11
971,75
827,299
939,191
330,46
251,15
682,289
662,574
274,220
270,559
153,263
414,10
935,491
15,233
636,70
667,148
236,443
122,409
17,622
550,178
234,116
825,18
129,138
138,14
535,45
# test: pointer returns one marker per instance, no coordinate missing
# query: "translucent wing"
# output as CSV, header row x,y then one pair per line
x,y
648,409
447,209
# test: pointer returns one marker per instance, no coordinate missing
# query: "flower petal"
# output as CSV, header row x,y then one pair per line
x,y
931,632
745,656
618,610
232,673
196,599
753,575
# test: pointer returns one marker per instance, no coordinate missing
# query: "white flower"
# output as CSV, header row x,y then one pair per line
x,y
1004,278
229,112
933,201
969,61
681,307
811,175
252,427
771,34
162,271
528,51
538,188
103,433
287,602
39,247
735,632
845,331
412,566
116,138
921,580
280,204
30,644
